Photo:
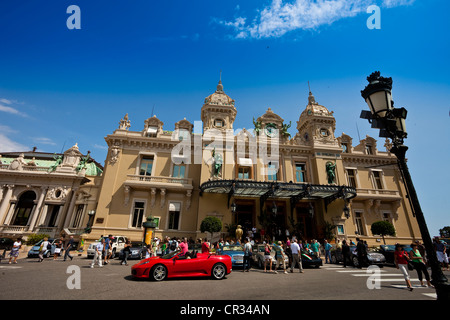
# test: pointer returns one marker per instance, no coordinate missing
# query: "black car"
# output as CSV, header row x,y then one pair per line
x,y
388,252
310,260
137,251
374,257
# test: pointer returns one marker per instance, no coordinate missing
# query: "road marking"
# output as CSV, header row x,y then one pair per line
x,y
431,295
371,274
10,267
362,271
404,287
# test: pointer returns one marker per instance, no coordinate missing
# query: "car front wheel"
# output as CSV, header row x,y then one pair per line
x,y
158,273
355,261
218,271
333,259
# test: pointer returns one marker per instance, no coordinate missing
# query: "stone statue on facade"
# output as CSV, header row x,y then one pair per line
x,y
124,123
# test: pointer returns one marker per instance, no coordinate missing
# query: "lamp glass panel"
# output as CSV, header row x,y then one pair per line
x,y
379,102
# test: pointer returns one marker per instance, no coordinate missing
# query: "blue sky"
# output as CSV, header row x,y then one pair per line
x,y
59,87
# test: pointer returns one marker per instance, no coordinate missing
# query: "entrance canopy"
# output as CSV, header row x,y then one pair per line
x,y
283,190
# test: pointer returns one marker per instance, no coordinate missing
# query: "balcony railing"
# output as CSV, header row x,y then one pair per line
x,y
25,168
156,179
378,192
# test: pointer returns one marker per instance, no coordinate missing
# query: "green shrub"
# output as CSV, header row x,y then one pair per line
x,y
34,238
211,224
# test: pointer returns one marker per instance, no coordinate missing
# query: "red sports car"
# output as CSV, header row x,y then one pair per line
x,y
175,265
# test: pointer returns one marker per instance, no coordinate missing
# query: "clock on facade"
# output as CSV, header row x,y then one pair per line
x,y
271,130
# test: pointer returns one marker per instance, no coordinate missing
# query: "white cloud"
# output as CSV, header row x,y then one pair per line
x,y
44,141
8,145
98,146
280,16
9,109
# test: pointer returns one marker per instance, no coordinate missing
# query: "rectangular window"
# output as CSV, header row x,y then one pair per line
x,y
78,214
351,177
174,215
340,229
359,223
146,166
300,172
387,217
377,177
152,132
272,169
369,149
344,147
138,214
244,173
178,171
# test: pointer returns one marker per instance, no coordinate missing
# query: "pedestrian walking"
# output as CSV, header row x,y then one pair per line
x,y
327,247
315,248
440,249
107,249
419,265
288,250
68,248
345,252
58,248
296,256
279,256
361,252
148,251
14,253
401,259
43,248
267,257
126,253
247,256
98,254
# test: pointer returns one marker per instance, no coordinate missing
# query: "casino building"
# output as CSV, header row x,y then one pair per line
x,y
311,184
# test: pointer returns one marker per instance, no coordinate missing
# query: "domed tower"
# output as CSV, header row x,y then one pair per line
x,y
316,125
218,111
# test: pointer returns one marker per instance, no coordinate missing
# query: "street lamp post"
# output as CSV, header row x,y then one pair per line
x,y
391,122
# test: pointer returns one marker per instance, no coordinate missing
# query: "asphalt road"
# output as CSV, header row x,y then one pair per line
x,y
31,280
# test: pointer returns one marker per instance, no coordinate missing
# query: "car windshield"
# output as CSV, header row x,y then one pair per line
x,y
232,248
388,247
170,255
137,244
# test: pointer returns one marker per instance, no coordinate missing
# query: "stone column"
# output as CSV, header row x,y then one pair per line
x,y
37,209
71,206
5,202
1,193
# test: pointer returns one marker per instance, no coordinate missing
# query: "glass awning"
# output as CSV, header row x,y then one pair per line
x,y
283,190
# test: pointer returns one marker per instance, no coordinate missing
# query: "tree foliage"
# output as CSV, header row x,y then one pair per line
x,y
383,228
211,224
445,232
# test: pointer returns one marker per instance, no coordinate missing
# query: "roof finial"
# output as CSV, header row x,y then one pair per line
x,y
220,78
219,85
311,99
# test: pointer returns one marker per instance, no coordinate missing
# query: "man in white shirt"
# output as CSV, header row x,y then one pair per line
x,y
296,256
98,253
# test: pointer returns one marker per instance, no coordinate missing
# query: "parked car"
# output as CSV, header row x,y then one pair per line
x,y
137,251
388,252
34,251
310,260
258,256
174,265
374,257
117,244
236,252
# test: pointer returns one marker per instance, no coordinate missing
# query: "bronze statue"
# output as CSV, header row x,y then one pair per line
x,y
330,167
239,233
285,128
258,126
83,162
59,160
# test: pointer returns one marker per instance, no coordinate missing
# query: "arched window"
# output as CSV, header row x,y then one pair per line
x,y
24,208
